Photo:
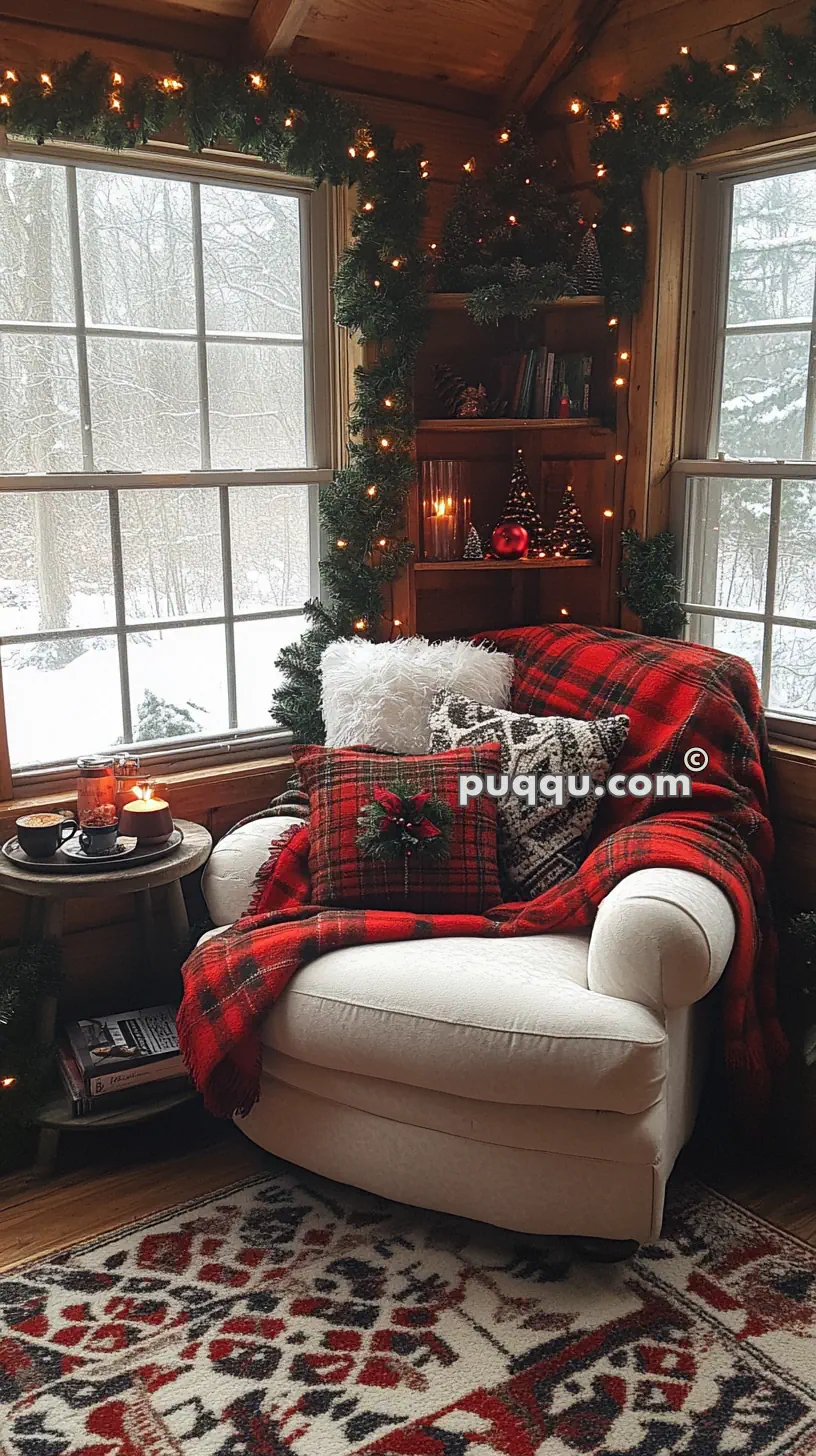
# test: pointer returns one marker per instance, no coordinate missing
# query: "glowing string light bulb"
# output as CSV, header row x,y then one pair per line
x,y
385,443
11,76
620,382
372,491
352,151
46,81
627,228
289,120
618,457
360,625
575,106
664,109
5,99
370,154
117,78
684,50
504,136
469,165
368,207
609,514
341,543
7,1082
256,80
730,67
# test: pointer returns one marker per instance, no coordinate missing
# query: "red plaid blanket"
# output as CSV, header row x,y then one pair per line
x,y
678,696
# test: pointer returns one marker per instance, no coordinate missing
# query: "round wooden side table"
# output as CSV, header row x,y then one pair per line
x,y
52,890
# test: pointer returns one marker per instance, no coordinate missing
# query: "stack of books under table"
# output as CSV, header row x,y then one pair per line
x,y
112,1062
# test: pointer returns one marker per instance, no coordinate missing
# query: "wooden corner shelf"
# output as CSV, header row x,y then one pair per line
x,y
524,563
511,424
441,301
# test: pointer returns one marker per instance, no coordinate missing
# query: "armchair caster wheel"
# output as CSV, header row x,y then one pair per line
x,y
605,1251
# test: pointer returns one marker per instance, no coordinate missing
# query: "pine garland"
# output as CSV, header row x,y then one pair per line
x,y
652,590
756,85
379,292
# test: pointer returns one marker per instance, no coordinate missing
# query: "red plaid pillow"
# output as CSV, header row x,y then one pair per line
x,y
340,782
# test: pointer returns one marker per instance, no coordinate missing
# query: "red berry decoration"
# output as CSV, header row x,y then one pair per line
x,y
510,541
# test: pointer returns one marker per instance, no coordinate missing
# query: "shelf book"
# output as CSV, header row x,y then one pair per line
x,y
109,1062
544,385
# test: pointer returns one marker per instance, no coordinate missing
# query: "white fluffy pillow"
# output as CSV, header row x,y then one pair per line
x,y
381,693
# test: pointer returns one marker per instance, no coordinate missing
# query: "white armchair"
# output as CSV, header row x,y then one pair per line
x,y
544,1083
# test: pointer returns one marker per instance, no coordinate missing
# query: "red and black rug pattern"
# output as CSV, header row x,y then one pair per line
x,y
290,1315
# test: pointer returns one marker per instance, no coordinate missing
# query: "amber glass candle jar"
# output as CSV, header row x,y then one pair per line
x,y
96,786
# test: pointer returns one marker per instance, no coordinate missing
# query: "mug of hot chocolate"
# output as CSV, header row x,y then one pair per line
x,y
40,835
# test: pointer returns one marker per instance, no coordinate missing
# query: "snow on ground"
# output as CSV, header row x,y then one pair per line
x,y
57,714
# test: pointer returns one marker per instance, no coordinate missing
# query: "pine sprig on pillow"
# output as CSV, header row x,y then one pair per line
x,y
401,822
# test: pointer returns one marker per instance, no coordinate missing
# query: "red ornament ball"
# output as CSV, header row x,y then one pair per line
x,y
510,541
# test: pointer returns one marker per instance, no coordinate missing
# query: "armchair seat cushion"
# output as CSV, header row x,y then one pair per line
x,y
498,1021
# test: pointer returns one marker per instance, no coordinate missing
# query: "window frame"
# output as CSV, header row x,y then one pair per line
x,y
318,257
706,284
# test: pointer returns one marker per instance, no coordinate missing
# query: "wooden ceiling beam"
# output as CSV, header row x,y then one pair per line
x,y
273,26
164,27
330,68
558,41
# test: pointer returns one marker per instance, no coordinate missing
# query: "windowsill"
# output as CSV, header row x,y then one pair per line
x,y
803,752
192,792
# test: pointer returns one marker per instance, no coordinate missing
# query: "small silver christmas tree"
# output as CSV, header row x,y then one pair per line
x,y
473,546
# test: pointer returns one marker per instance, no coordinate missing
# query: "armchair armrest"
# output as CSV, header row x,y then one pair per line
x,y
231,869
662,938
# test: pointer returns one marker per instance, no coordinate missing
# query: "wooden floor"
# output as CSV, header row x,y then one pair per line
x,y
103,1185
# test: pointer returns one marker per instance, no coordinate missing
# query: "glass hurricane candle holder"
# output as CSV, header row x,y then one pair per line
x,y
445,509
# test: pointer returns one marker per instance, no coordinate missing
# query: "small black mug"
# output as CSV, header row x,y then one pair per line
x,y
97,839
40,835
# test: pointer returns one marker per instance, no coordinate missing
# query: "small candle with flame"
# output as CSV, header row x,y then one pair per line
x,y
146,816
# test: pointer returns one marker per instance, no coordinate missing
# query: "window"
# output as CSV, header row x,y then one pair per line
x,y
748,488
159,453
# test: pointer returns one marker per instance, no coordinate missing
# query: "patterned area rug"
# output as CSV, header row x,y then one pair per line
x,y
290,1315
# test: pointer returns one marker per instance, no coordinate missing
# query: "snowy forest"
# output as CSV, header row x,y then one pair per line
x,y
64,555
768,412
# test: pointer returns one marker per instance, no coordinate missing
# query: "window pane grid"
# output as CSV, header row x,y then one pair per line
x,y
273,571
696,477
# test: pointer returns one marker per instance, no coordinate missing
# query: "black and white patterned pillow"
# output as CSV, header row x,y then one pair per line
x,y
542,844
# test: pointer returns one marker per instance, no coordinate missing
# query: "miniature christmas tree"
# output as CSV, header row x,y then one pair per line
x,y
520,508
473,546
569,536
510,240
587,276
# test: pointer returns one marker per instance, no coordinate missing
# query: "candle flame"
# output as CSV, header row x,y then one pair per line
x,y
143,791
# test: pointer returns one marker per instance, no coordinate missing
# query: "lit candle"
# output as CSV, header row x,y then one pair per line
x,y
440,528
146,816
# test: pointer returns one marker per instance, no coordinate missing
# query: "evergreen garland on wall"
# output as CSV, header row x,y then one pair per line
x,y
757,84
303,129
